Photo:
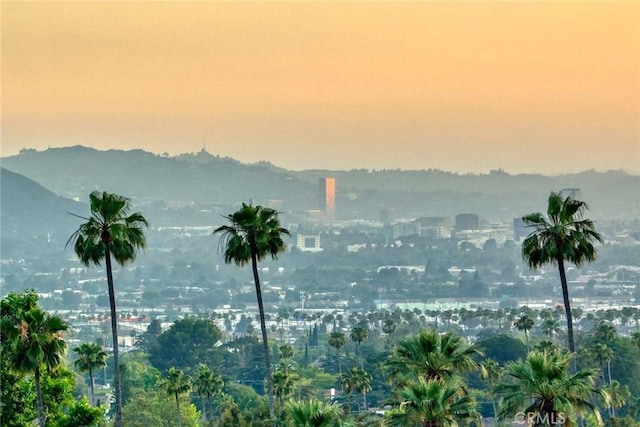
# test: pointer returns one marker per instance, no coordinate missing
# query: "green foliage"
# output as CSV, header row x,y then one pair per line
x,y
432,356
502,348
82,414
432,402
542,385
313,413
150,408
187,343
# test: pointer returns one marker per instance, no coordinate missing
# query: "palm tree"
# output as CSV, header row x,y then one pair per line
x,y
357,381
433,356
550,326
564,236
545,346
358,335
525,323
491,372
543,378
618,396
286,353
253,234
110,231
90,357
314,413
176,384
206,384
35,340
603,354
433,403
283,386
604,332
337,339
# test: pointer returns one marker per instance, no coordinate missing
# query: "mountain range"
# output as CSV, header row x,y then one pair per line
x,y
208,180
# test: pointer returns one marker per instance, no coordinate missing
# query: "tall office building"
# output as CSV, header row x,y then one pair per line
x,y
327,187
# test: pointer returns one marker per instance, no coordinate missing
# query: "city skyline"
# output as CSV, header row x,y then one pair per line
x,y
528,87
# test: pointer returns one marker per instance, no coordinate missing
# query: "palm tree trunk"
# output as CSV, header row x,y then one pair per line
x,y
41,419
93,393
263,327
178,407
526,339
567,305
204,408
114,333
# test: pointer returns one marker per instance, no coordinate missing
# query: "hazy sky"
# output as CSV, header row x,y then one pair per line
x,y
465,86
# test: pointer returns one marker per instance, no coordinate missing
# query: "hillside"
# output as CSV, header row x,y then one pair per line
x,y
30,212
205,179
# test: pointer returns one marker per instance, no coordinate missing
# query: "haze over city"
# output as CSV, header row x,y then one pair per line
x,y
548,87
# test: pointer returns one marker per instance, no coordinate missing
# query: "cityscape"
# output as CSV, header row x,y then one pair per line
x,y
320,214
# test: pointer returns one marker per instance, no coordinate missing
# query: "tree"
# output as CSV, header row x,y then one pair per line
x,y
337,340
35,340
618,396
176,384
525,323
110,231
604,332
358,335
550,326
432,403
356,380
313,413
90,357
603,354
433,356
206,384
187,343
563,236
253,234
541,387
491,372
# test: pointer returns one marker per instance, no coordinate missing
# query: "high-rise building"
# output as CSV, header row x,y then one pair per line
x,y
327,187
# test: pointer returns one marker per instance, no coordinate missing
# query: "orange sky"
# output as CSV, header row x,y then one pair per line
x,y
465,86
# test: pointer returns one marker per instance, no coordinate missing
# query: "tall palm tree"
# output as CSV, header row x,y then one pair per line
x,y
433,403
433,356
110,231
563,236
206,384
525,323
253,233
314,413
358,335
542,387
35,341
91,356
176,384
337,340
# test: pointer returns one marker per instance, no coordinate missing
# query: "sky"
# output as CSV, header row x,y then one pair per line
x,y
543,87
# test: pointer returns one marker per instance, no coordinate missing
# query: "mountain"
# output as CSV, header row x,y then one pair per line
x,y
205,180
201,177
29,212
